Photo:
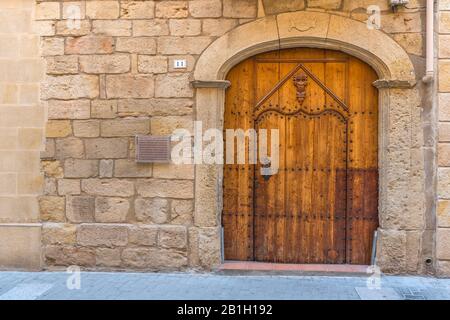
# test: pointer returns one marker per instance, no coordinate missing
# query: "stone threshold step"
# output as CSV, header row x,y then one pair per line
x,y
234,267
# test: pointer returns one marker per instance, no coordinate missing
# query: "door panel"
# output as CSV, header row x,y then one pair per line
x,y
322,205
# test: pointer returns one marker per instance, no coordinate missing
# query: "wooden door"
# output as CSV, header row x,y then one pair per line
x,y
322,205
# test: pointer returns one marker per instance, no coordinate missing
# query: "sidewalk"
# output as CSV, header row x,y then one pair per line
x,y
181,286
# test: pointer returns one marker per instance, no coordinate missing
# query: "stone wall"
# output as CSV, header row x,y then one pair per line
x,y
443,205
21,136
111,77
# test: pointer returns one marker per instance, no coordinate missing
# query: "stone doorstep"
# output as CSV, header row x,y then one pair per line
x,y
329,269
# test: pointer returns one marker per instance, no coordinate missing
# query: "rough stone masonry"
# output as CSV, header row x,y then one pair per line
x,y
110,76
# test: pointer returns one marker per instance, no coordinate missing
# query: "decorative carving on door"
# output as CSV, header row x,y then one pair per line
x,y
300,82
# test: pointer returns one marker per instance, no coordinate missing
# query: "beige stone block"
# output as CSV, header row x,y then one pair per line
x,y
44,28
29,93
218,27
155,107
364,4
30,138
173,86
20,247
9,93
154,259
52,169
280,6
240,8
205,8
330,4
102,9
444,46
27,161
444,131
118,63
75,109
49,151
186,45
152,210
125,168
124,127
9,137
112,148
15,21
182,212
129,86
30,183
104,109
52,208
18,209
443,79
69,187
209,247
140,45
168,124
47,11
154,27
443,213
108,187
172,9
102,235
70,87
69,148
66,255
86,128
111,209
152,64
58,129
412,42
80,168
49,187
443,187
444,22
172,237
173,171
137,9
143,235
178,189
29,45
59,233
52,46
89,45
107,257
444,106
443,243
21,116
444,154
185,27
114,28
62,65
8,184
65,28
443,268
80,209
74,10
8,161
9,46
402,22
106,168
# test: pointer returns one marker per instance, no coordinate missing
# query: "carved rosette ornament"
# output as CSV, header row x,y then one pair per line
x,y
301,82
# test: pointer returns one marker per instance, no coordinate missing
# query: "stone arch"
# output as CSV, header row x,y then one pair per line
x,y
307,29
398,97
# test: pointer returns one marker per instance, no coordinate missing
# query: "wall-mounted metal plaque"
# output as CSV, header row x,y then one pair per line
x,y
152,149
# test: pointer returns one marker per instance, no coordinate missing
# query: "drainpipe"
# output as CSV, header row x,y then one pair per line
x,y
429,76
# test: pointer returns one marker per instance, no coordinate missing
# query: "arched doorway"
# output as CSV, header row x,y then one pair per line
x,y
322,204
